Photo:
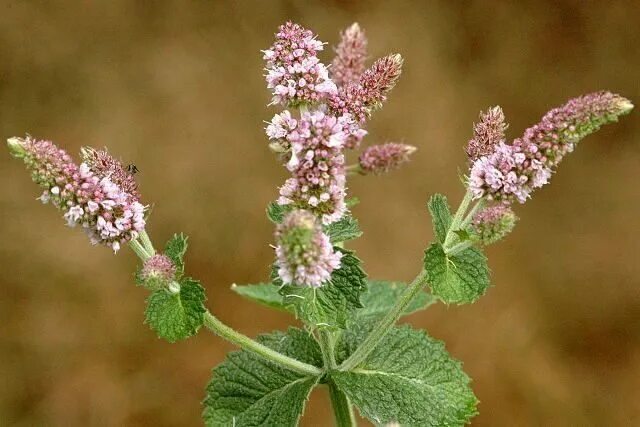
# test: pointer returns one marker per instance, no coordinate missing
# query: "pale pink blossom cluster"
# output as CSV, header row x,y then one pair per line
x,y
512,172
159,267
379,159
316,162
493,223
305,256
351,55
294,72
89,198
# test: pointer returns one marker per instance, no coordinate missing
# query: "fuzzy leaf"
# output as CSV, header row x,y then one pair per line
x,y
175,249
381,296
456,279
331,304
410,379
248,390
440,215
176,316
264,293
345,229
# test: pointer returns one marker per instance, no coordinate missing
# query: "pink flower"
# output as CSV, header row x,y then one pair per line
x,y
351,54
89,198
316,162
512,172
305,256
159,267
294,73
379,159
493,223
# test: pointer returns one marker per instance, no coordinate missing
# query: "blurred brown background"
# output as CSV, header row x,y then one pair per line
x,y
177,88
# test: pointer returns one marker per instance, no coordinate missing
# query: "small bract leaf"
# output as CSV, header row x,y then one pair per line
x,y
440,216
248,390
330,305
263,293
345,229
456,279
175,249
275,212
176,316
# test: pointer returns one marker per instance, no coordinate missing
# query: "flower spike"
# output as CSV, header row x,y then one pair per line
x,y
513,172
351,54
305,255
379,159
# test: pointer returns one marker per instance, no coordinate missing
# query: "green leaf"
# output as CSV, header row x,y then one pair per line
x,y
345,229
351,202
440,215
456,279
381,296
276,212
248,390
175,249
330,305
264,293
410,379
176,316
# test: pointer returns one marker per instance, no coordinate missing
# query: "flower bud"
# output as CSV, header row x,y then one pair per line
x,y
158,272
493,223
379,159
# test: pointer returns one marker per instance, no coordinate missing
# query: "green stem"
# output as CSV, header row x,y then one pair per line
x,y
457,218
139,250
146,242
385,324
327,346
246,343
474,210
342,409
459,247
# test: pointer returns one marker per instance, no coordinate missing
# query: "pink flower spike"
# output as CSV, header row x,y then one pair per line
x,y
351,54
305,256
379,159
488,133
294,73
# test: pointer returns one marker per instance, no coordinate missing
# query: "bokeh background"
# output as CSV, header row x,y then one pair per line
x,y
177,89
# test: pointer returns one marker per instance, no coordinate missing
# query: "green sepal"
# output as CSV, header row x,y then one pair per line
x,y
176,316
345,229
352,201
263,293
175,249
330,305
409,379
440,216
248,390
456,279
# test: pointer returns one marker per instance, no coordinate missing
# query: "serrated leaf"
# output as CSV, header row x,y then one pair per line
x,y
330,305
263,293
176,316
456,279
345,229
440,216
175,249
410,379
248,390
276,212
382,295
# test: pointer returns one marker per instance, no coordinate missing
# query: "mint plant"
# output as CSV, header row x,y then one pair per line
x,y
348,341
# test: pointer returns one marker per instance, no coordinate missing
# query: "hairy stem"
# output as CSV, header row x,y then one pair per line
x,y
458,218
385,324
139,250
326,339
246,343
342,409
146,242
